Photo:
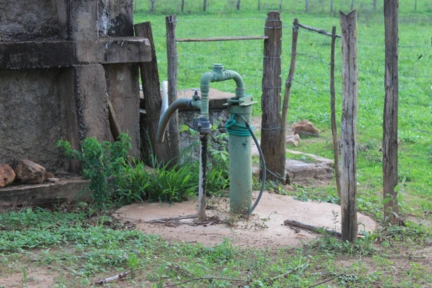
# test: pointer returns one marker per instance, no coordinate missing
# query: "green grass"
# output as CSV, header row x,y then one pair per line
x,y
79,247
82,246
310,91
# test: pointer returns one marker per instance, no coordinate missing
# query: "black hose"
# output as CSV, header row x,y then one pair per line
x,y
263,168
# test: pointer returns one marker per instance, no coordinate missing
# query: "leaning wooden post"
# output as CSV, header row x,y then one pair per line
x,y
333,112
290,79
272,141
173,134
390,125
152,98
349,126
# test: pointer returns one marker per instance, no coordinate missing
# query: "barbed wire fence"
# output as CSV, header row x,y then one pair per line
x,y
293,6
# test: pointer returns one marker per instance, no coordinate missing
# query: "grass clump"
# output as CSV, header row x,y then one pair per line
x,y
115,178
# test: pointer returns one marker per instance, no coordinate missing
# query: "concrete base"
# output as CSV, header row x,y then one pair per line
x,y
44,195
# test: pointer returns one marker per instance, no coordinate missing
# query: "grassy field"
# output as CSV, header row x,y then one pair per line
x,y
75,247
310,92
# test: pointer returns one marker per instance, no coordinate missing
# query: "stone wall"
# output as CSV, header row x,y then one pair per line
x,y
57,84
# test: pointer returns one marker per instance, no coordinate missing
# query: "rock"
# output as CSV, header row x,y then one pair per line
x,y
7,175
49,175
53,180
29,172
292,139
305,127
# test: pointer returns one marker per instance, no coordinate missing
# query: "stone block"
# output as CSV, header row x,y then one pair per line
x,y
7,175
29,172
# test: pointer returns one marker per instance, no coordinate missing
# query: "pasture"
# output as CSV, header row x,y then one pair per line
x,y
78,246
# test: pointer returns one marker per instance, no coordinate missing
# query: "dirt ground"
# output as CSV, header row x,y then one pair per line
x,y
264,228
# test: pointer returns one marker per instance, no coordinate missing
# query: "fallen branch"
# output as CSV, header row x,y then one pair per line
x,y
271,280
113,278
325,281
174,219
206,278
312,228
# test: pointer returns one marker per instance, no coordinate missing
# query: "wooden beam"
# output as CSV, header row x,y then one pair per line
x,y
228,38
55,54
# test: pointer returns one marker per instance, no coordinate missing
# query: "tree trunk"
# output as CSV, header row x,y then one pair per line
x,y
280,6
352,4
331,6
259,5
272,143
152,8
238,5
374,5
307,6
390,125
349,126
205,5
182,5
333,112
415,5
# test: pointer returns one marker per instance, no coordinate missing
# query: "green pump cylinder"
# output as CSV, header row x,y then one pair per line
x,y
240,159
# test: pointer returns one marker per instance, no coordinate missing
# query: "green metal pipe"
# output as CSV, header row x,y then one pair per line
x,y
166,115
218,74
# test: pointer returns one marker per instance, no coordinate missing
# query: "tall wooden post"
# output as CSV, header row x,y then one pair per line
x,y
390,125
333,112
349,126
272,141
173,130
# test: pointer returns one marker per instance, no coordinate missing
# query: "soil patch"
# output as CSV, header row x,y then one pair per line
x,y
264,228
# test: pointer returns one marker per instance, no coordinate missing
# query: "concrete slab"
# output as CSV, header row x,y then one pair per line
x,y
45,194
264,229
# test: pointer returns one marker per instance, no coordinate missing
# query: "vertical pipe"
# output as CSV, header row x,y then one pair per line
x,y
202,178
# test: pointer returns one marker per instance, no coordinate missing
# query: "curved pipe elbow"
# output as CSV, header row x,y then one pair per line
x,y
165,117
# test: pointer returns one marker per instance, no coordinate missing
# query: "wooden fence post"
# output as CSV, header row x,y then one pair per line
x,y
349,126
272,141
306,6
152,98
205,5
333,112
289,81
173,130
390,125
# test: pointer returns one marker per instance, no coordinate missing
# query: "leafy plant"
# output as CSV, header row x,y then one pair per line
x,y
103,163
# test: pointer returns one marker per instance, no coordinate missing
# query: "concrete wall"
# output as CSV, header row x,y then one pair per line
x,y
40,106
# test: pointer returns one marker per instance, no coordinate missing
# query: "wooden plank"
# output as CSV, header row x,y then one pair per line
x,y
390,125
228,38
333,111
55,54
349,126
152,100
272,141
173,134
